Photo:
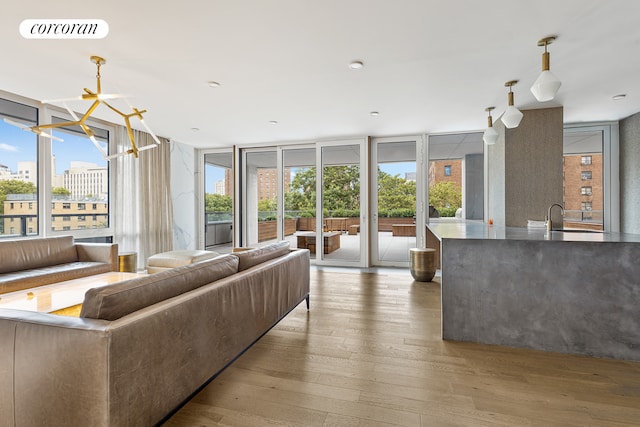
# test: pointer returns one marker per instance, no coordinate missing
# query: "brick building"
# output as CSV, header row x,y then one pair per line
x,y
445,171
21,214
268,182
583,192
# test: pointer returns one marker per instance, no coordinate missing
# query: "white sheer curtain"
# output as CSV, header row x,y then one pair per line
x,y
143,207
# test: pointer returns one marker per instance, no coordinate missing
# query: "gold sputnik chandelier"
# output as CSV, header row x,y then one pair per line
x,y
97,98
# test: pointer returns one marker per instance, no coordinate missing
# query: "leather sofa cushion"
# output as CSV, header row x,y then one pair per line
x,y
173,259
36,253
117,300
259,255
20,280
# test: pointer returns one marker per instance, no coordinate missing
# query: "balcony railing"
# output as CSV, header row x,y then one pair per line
x,y
588,216
18,225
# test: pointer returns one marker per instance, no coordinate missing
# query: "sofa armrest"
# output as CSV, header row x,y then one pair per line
x,y
54,370
99,252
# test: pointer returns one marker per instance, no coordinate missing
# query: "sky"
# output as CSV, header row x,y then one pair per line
x,y
17,145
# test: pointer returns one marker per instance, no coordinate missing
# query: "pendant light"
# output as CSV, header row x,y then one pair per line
x,y
490,135
546,85
512,116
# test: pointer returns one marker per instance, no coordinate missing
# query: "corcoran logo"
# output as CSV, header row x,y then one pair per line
x,y
64,29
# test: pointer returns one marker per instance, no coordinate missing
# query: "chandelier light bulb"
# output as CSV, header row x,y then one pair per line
x,y
547,84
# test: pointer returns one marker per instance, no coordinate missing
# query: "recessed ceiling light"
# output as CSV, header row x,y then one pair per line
x,y
213,84
273,122
356,65
374,113
619,97
195,129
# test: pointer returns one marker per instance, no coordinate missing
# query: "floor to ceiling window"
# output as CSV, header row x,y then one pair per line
x,y
19,214
343,196
395,199
299,198
52,185
590,170
79,184
218,201
260,191
456,176
282,199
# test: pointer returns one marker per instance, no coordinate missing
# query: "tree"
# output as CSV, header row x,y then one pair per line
x,y
302,191
446,197
217,203
267,205
14,186
61,191
341,188
395,192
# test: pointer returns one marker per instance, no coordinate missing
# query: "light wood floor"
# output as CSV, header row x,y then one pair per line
x,y
369,353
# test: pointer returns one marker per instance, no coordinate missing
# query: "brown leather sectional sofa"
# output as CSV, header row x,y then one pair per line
x,y
29,263
143,347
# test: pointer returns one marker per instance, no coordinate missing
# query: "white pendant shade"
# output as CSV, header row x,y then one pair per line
x,y
490,136
511,117
546,86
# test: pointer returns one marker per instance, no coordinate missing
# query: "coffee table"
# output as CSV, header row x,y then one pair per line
x,y
63,298
307,240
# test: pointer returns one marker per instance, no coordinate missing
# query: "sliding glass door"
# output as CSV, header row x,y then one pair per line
x,y
218,201
260,191
298,218
341,226
396,190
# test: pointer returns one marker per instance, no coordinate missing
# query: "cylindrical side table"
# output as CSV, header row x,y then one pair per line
x,y
128,262
422,262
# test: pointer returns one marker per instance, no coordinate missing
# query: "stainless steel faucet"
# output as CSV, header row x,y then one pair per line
x,y
549,214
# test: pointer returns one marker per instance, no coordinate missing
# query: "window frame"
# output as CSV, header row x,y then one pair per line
x,y
45,205
107,232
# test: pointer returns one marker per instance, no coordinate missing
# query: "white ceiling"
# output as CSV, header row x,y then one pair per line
x,y
431,66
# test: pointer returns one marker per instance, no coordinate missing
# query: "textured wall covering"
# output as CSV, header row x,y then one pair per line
x,y
533,166
630,174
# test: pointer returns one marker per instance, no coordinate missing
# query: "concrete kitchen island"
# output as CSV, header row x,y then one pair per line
x,y
569,292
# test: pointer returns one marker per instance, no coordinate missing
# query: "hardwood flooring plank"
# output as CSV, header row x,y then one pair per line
x,y
369,353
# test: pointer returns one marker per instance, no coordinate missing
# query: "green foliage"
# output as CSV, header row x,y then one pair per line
x,y
217,203
302,191
341,187
448,212
397,213
396,194
266,205
61,191
445,196
345,213
14,186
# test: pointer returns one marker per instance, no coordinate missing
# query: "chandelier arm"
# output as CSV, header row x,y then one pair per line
x,y
90,111
134,149
114,109
55,125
